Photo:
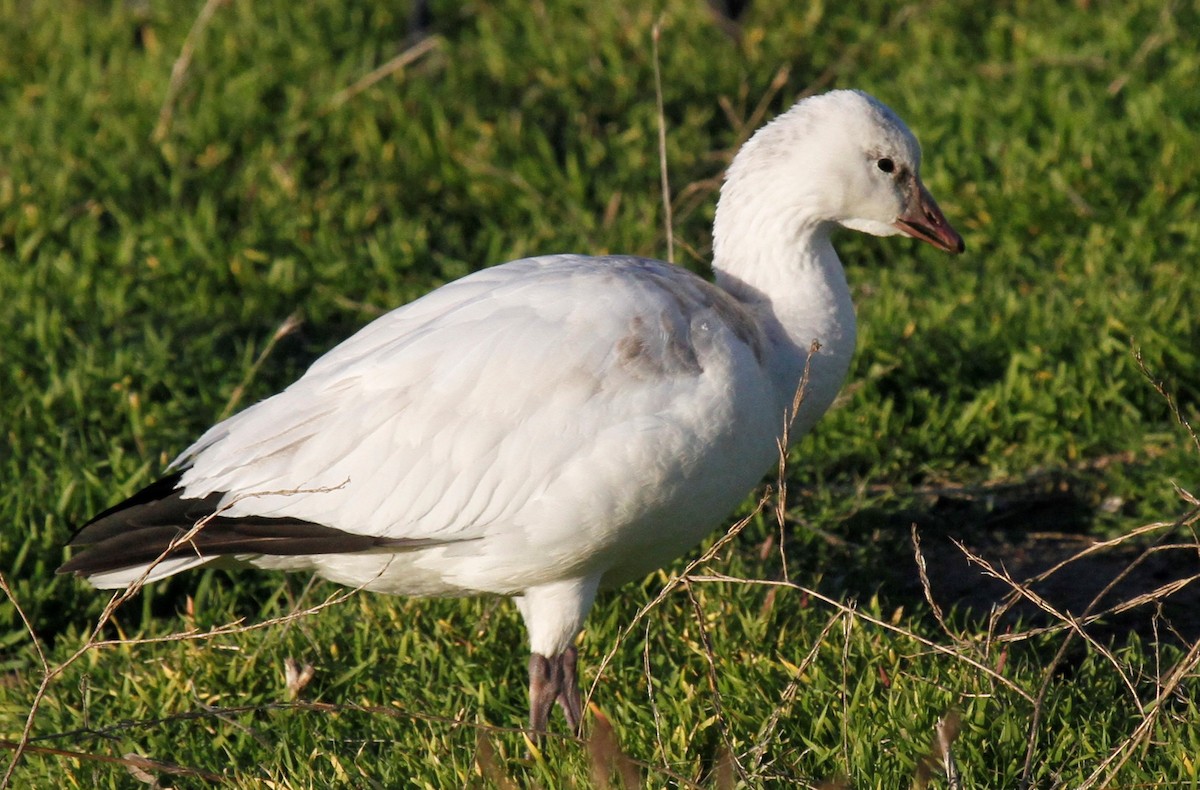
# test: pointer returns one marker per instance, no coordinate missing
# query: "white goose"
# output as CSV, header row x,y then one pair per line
x,y
554,425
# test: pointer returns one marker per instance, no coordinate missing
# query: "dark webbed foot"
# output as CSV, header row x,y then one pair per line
x,y
554,679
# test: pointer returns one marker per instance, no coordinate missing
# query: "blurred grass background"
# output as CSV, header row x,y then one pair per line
x,y
143,273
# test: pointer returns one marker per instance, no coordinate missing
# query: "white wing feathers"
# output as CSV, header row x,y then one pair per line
x,y
455,412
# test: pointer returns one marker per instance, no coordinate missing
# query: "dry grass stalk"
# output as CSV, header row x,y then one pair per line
x,y
674,583
1106,772
713,678
788,696
1161,389
289,325
851,611
782,448
1075,626
405,58
668,222
847,628
180,67
119,598
779,495
132,762
658,728
1066,618
332,709
1092,614
923,573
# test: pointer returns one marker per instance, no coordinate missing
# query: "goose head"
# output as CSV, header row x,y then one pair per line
x,y
838,158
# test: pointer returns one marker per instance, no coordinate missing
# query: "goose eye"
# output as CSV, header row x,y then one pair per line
x,y
886,165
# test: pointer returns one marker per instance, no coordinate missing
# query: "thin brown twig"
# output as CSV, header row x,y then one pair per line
x,y
180,68
730,534
1157,595
1074,624
129,761
782,446
785,438
710,657
1162,591
695,194
287,327
658,734
744,127
1161,389
50,673
923,574
1102,545
1090,614
238,626
1107,770
847,628
668,221
1075,629
788,696
716,578
851,53
392,711
1150,43
1064,617
1149,715
19,748
37,644
405,58
673,583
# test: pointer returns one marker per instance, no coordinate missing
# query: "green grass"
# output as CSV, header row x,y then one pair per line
x,y
140,279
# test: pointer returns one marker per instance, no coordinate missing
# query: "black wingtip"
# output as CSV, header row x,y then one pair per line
x,y
142,528
155,492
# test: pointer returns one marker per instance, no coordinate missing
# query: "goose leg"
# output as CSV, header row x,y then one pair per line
x,y
554,679
542,691
568,692
554,614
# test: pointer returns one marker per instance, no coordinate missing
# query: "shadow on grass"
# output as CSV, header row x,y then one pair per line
x,y
1041,533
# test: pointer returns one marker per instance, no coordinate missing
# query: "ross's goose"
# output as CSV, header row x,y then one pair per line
x,y
554,425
